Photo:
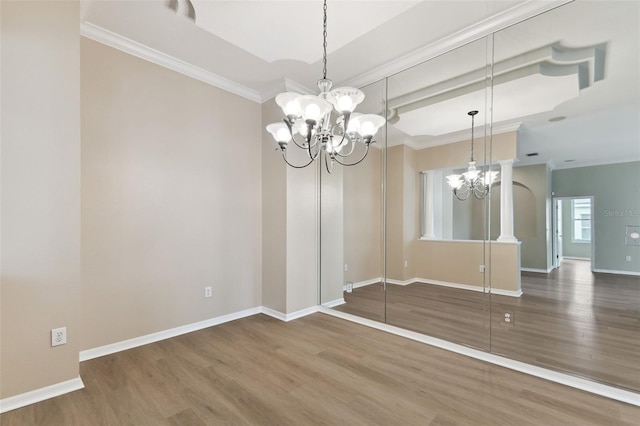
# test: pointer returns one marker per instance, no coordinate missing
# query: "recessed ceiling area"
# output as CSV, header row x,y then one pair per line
x,y
285,30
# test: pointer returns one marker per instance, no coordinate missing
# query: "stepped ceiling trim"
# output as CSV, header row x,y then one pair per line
x,y
471,33
530,83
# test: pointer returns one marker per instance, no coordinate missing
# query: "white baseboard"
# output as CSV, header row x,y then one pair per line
x,y
366,282
289,317
301,313
177,331
540,271
553,376
398,282
334,303
452,285
165,334
273,313
611,271
576,258
510,293
501,292
31,397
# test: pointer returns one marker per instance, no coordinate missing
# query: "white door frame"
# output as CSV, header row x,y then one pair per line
x,y
556,220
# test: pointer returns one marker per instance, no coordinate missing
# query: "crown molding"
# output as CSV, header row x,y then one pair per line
x,y
471,33
284,85
579,164
104,36
505,128
294,86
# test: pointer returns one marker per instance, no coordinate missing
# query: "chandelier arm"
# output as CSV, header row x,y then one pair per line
x,y
317,140
284,157
357,162
465,194
342,142
301,146
293,136
353,148
480,190
310,146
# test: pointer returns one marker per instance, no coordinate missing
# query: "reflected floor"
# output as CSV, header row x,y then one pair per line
x,y
459,316
570,320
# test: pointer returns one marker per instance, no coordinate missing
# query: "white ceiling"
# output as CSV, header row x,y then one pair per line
x,y
257,48
269,29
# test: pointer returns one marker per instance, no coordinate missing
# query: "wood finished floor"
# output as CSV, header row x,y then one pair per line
x,y
571,320
314,370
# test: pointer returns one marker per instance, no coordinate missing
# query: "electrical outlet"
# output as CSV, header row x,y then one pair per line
x,y
508,319
208,292
346,267
58,336
349,287
482,268
628,259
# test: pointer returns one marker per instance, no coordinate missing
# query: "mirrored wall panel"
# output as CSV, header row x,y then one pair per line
x,y
437,164
352,239
569,80
514,229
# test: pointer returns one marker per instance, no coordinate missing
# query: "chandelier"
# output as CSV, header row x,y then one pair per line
x,y
473,180
308,121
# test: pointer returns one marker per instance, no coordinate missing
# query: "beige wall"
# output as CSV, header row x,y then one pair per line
x,y
171,198
363,218
290,224
274,216
332,215
403,211
459,262
504,266
411,211
532,214
302,233
40,240
450,261
395,212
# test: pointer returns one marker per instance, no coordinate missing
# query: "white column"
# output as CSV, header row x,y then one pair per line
x,y
429,214
506,202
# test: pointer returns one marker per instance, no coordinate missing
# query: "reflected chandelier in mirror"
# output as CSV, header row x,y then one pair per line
x,y
472,181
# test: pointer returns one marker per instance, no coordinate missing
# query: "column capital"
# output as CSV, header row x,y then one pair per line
x,y
508,162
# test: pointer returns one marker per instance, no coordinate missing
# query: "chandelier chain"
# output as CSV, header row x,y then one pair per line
x,y
472,125
324,35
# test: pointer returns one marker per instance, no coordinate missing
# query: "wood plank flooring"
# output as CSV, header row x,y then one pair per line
x,y
570,320
314,370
